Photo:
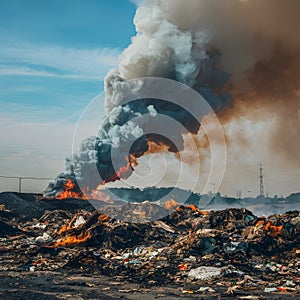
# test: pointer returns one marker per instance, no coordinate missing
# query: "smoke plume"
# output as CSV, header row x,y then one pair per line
x,y
247,51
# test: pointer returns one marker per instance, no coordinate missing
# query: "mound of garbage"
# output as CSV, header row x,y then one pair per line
x,y
208,250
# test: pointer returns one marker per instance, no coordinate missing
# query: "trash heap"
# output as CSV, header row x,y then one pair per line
x,y
230,250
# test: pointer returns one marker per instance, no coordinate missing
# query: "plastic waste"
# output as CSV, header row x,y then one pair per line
x,y
204,272
45,238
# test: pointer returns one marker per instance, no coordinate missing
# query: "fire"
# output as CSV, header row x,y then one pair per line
x,y
123,170
156,148
126,170
260,223
282,289
71,240
274,230
63,229
103,218
69,185
171,204
68,227
184,267
195,208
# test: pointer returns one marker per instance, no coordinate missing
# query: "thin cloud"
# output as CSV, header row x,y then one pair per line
x,y
56,61
26,71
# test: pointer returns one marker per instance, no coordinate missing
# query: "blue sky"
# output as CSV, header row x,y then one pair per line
x,y
53,51
53,58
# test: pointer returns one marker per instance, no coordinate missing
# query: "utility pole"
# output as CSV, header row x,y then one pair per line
x,y
20,184
261,181
239,194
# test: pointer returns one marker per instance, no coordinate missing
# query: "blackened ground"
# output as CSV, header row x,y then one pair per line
x,y
69,285
26,206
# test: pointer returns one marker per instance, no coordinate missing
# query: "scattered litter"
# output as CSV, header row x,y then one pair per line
x,y
205,289
45,238
38,225
270,289
228,250
204,273
79,221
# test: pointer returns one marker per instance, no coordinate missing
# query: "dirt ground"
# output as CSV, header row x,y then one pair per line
x,y
63,285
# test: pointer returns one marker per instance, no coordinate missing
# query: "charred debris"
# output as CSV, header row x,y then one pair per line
x,y
229,250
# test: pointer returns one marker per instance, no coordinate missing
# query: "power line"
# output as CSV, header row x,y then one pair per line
x,y
261,180
26,177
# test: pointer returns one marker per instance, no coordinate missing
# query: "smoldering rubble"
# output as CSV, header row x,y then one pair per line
x,y
197,252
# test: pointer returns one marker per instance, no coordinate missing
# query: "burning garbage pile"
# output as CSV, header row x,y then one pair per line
x,y
229,251
238,71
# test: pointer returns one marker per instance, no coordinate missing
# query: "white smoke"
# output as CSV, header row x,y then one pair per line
x,y
160,49
173,37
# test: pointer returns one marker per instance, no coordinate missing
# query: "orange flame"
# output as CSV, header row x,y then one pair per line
x,y
124,171
69,185
260,223
282,289
274,230
156,148
63,229
68,227
103,218
184,267
71,240
68,193
195,208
